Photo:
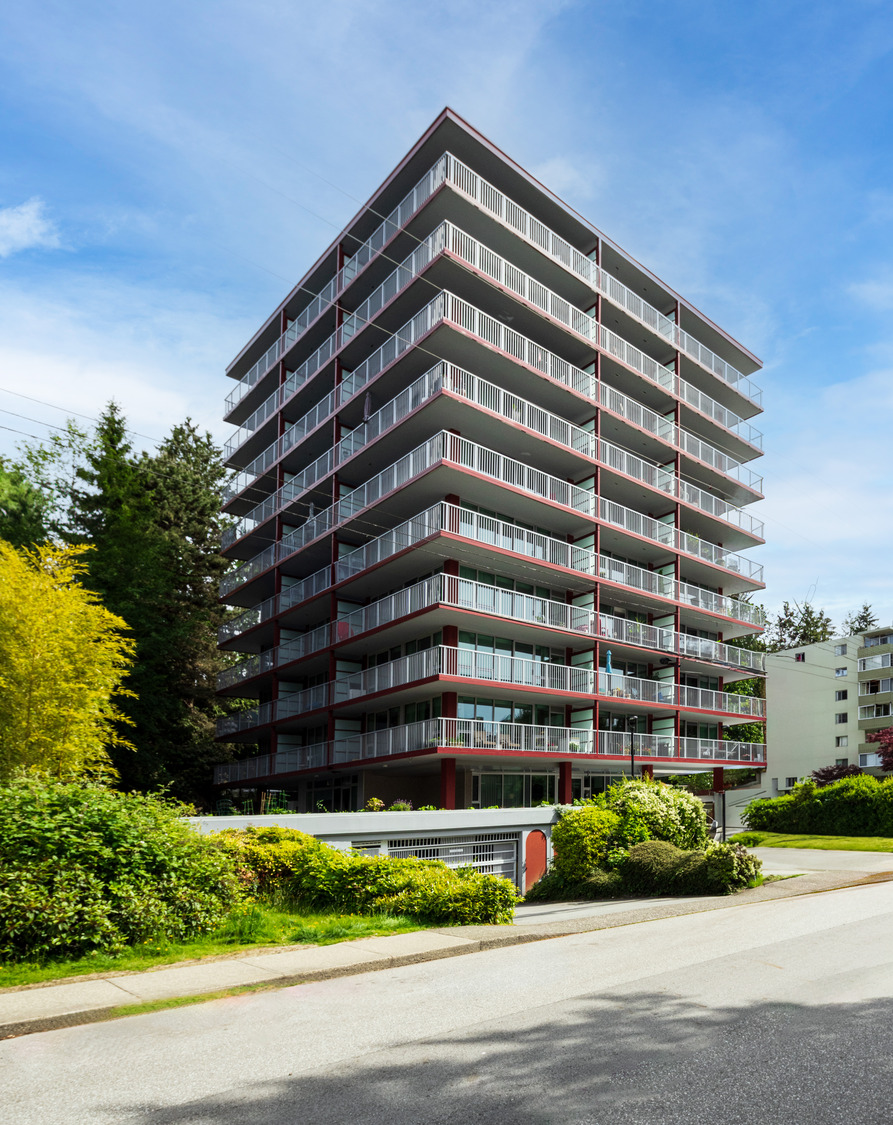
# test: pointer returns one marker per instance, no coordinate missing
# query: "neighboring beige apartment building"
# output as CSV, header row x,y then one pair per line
x,y
821,699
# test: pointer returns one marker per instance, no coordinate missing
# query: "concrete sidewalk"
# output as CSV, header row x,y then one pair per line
x,y
41,1007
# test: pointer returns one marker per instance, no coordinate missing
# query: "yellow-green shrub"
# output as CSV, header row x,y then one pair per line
x,y
289,864
581,840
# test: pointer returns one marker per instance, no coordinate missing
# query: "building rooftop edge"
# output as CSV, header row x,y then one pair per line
x,y
448,114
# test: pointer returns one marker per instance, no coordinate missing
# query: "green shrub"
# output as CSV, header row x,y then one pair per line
x,y
554,887
581,840
649,810
650,866
853,806
285,863
84,869
656,867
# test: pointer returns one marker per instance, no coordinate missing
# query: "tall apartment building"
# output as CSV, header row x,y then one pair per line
x,y
490,489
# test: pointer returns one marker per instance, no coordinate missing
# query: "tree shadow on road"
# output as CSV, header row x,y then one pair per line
x,y
635,1059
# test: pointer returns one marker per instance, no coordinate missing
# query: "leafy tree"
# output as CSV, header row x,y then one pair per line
x,y
828,774
884,740
798,625
62,663
51,468
860,621
23,509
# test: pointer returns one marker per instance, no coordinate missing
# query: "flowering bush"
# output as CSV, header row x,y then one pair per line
x,y
649,810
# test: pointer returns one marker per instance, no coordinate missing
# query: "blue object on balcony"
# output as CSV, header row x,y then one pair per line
x,y
609,671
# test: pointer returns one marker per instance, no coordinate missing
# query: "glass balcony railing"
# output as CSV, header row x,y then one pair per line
x,y
480,736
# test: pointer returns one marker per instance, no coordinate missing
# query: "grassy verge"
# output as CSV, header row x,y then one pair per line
x,y
260,926
820,843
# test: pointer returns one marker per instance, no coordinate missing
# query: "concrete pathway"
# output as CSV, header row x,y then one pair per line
x,y
787,861
78,1000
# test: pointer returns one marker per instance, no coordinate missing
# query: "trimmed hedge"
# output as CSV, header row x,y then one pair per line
x,y
282,863
854,806
84,869
656,867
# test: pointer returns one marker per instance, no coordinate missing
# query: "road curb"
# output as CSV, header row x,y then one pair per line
x,y
493,938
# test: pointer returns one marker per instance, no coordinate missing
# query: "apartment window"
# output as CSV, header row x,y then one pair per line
x,y
800,657
841,717
841,761
790,782
884,639
840,650
841,741
840,695
840,672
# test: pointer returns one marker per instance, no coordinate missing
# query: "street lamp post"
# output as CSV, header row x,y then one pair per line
x,y
633,727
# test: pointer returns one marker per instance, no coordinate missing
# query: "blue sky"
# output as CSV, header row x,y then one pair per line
x,y
163,183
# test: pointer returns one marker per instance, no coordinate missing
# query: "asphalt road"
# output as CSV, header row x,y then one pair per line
x,y
775,1012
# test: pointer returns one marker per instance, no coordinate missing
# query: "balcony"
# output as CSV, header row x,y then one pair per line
x,y
446,377
494,333
509,537
478,597
476,736
351,269
450,449
473,664
493,201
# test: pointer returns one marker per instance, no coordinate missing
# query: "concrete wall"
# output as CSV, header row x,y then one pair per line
x,y
354,829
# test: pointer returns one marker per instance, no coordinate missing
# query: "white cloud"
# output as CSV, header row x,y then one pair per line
x,y
26,227
78,344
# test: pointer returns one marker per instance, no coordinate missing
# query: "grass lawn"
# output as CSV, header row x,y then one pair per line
x,y
820,843
260,926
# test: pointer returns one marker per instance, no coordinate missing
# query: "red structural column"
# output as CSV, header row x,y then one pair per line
x,y
565,790
648,771
447,783
719,779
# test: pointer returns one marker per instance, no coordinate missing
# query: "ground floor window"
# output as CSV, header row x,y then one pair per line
x,y
513,790
332,794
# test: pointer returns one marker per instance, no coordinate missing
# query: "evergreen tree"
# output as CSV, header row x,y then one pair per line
x,y
154,523
860,621
23,509
798,625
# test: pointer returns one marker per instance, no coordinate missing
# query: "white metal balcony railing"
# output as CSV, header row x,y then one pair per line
x,y
351,269
493,201
447,377
508,671
485,529
493,332
448,237
490,199
475,734
478,597
443,589
448,448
